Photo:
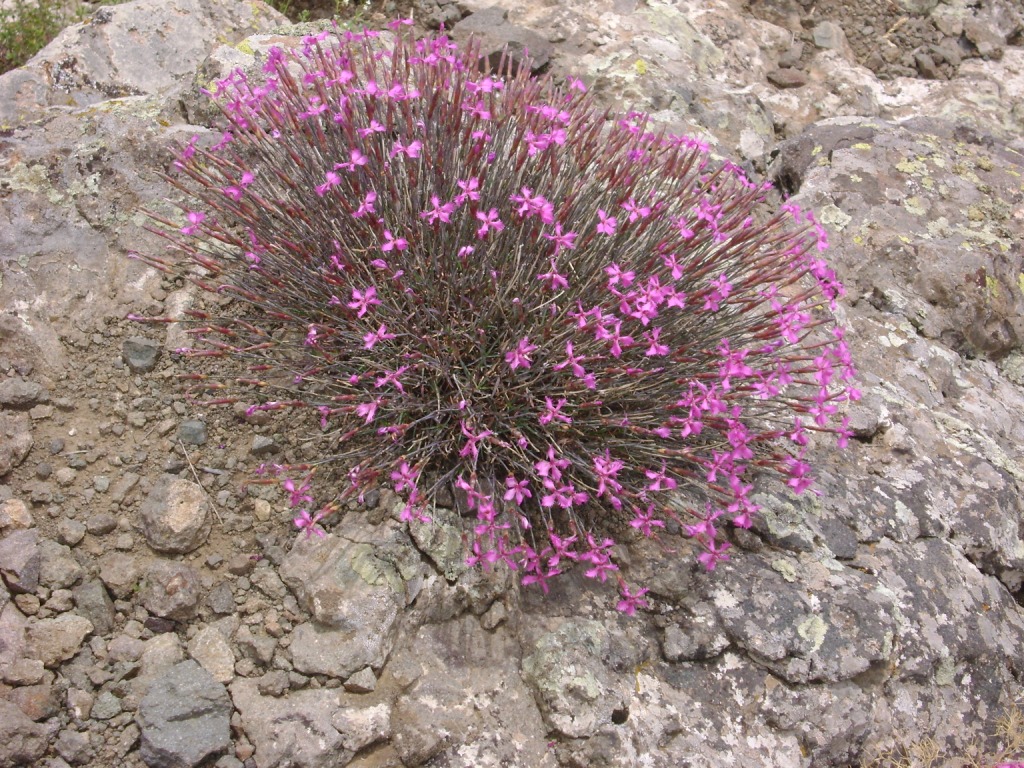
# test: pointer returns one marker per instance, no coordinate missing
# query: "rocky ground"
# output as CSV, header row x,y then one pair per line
x,y
157,607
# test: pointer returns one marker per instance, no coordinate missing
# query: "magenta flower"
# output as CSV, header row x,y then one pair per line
x,y
309,523
397,223
520,356
363,300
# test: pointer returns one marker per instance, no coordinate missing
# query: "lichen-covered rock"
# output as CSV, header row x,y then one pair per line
x,y
576,691
102,58
354,585
175,516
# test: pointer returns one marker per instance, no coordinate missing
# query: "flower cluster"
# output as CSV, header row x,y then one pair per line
x,y
479,282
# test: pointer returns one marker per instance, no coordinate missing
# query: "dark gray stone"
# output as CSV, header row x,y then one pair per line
x,y
184,718
21,394
140,354
192,432
93,602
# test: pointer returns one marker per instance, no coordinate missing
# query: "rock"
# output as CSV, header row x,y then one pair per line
x,y
15,440
38,702
58,568
14,514
13,637
22,742
53,641
263,446
80,703
171,590
354,590
20,560
829,35
184,718
575,691
451,664
125,648
74,746
785,77
120,573
70,532
291,730
221,599
22,672
273,683
192,432
210,648
101,523
21,394
362,726
106,706
140,354
254,643
175,516
491,28
93,602
107,62
363,681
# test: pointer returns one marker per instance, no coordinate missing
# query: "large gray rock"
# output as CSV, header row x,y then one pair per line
x,y
102,58
184,718
15,440
293,730
175,516
22,742
354,585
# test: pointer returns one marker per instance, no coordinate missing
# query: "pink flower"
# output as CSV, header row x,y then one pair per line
x,y
554,279
553,412
404,477
488,221
631,600
645,521
309,523
518,490
370,339
561,239
363,300
366,206
195,218
608,224
393,243
520,356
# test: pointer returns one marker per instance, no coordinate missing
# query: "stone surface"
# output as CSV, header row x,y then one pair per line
x,y
184,718
292,730
171,590
14,514
55,640
22,742
21,394
93,602
120,573
140,354
354,590
211,649
101,58
15,440
58,569
175,516
20,560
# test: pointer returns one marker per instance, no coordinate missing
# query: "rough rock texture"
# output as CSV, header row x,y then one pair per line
x,y
879,615
175,516
184,718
